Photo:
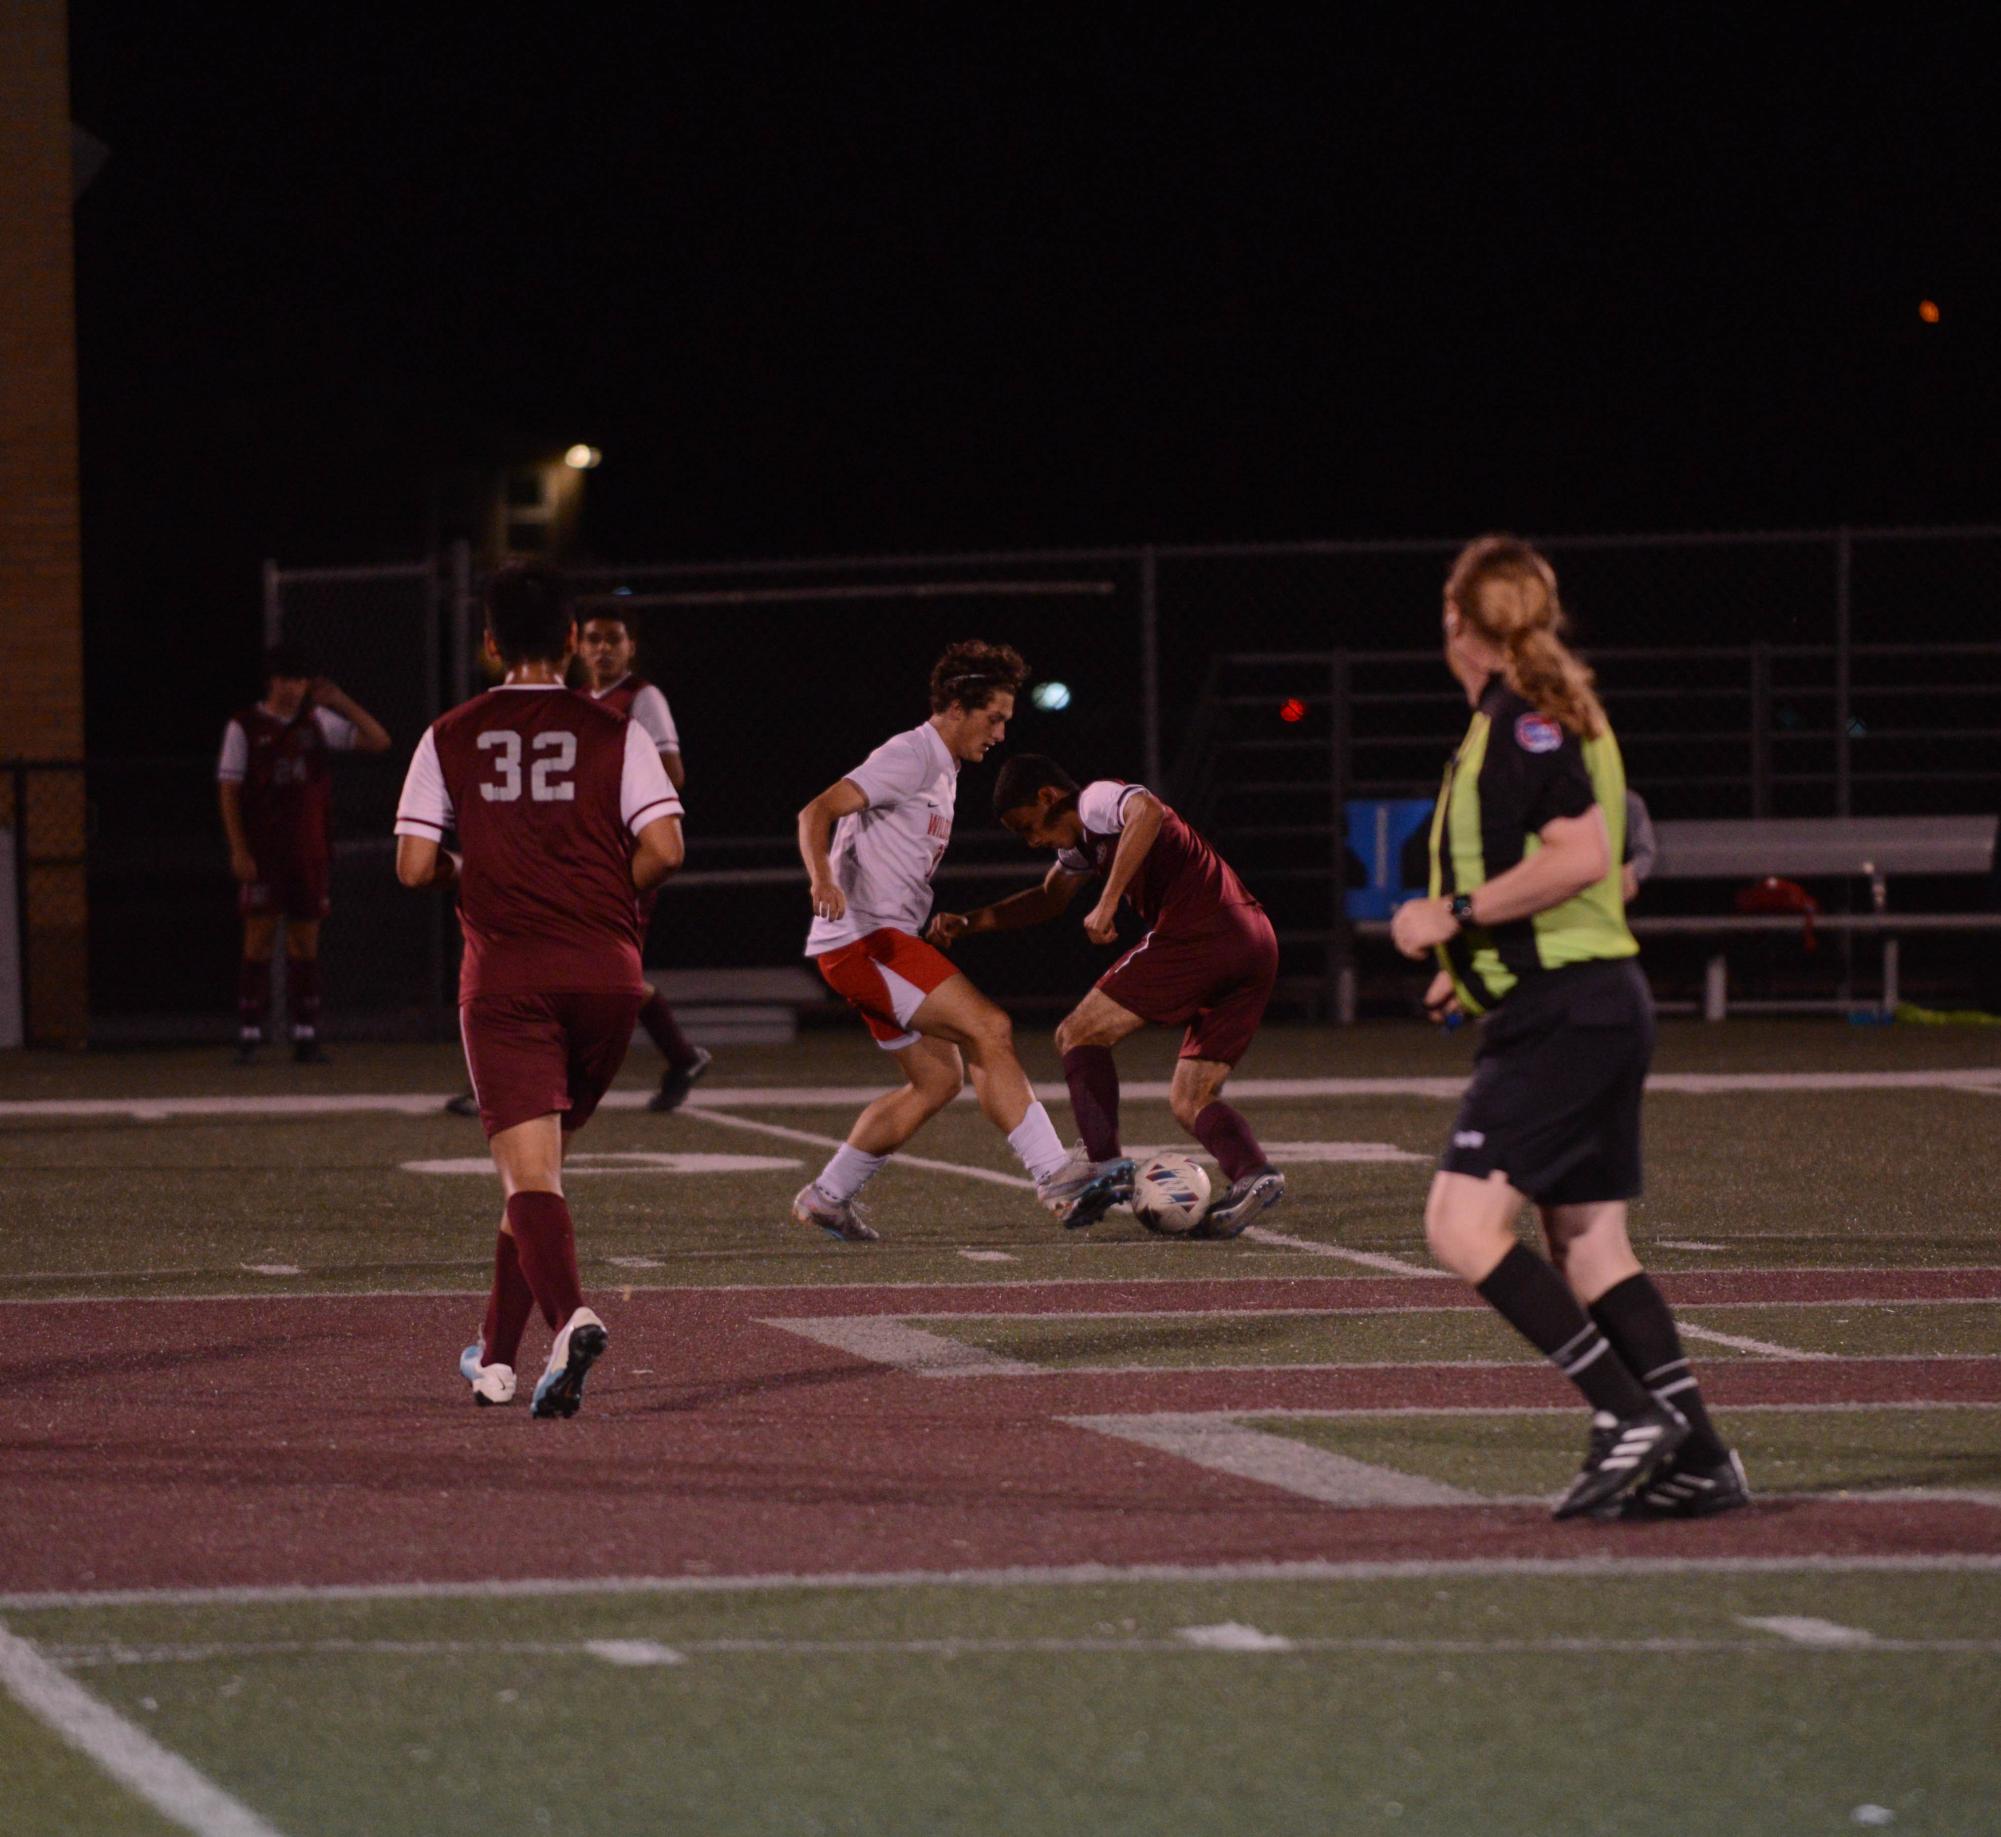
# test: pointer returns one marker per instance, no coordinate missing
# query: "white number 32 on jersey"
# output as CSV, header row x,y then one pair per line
x,y
548,780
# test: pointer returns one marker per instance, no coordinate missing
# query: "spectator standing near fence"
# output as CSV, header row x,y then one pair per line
x,y
274,782
1528,924
565,818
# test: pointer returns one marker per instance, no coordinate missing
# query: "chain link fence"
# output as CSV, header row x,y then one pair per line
x,y
1797,673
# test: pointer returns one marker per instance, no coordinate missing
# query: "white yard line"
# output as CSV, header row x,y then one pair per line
x,y
841,1097
1079,1575
1226,1446
900,1159
1743,1343
1368,1259
174,1789
888,1341
1804,1630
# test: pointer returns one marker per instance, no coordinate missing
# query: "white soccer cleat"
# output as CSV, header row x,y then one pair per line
x,y
845,1219
578,1347
1082,1190
490,1383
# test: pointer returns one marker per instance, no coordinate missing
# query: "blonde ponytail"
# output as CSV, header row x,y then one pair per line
x,y
1506,592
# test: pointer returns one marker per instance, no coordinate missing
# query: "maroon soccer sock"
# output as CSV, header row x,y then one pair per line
x,y
546,1244
253,994
1228,1137
302,995
665,1031
1093,1078
507,1307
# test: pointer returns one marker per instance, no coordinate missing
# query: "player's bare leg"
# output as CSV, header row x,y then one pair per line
x,y
529,1158
1590,1246
933,1075
302,989
253,984
1470,1226
1196,1096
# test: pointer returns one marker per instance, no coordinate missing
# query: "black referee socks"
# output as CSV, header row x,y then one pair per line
x,y
1533,1299
1634,1316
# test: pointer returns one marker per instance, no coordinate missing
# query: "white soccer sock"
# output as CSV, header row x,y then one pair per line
x,y
848,1172
1034,1140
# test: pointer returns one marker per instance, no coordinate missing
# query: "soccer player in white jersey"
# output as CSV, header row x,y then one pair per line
x,y
871,842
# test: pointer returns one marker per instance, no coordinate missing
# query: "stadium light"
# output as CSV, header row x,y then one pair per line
x,y
1050,697
1292,710
581,458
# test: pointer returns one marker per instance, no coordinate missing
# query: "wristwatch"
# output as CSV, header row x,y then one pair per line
x,y
1461,908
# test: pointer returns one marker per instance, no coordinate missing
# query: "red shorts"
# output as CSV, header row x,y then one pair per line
x,y
298,890
1218,981
530,1055
885,977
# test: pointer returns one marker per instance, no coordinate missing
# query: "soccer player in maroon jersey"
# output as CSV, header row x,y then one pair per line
x,y
565,819
1209,959
275,786
606,648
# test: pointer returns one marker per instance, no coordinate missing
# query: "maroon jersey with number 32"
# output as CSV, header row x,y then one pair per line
x,y
546,791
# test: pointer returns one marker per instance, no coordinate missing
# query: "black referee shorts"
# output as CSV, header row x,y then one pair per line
x,y
1555,1100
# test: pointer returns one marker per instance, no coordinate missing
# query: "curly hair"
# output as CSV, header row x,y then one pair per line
x,y
972,672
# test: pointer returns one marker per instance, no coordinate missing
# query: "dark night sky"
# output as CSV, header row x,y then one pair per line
x,y
1162,273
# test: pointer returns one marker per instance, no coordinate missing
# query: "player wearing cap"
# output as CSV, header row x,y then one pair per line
x,y
565,818
274,782
871,842
1209,959
1528,924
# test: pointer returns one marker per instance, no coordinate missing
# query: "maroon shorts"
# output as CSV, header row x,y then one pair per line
x,y
299,890
1218,980
530,1055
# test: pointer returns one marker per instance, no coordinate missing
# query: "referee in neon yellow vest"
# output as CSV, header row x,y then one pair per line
x,y
1529,928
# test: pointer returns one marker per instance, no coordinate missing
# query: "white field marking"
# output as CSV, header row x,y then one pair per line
x,y
1804,1630
891,1342
120,1748
989,1256
633,1653
1368,1259
637,1163
274,1269
1227,1637
1298,1152
1078,1575
1224,1445
1686,1243
842,1097
1561,1404
899,1159
635,1262
1232,1636
1743,1343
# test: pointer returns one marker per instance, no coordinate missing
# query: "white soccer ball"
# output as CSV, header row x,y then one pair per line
x,y
1170,1194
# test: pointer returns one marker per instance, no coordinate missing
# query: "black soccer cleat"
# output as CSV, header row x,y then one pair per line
x,y
310,1052
578,1347
1683,1490
677,1081
464,1104
1624,1452
1253,1194
246,1048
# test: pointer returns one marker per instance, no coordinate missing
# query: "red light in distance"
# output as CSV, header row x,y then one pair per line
x,y
1292,709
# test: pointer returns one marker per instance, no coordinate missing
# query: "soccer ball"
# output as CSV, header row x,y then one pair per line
x,y
1170,1194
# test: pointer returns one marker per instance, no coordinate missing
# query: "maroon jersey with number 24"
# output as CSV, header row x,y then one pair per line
x,y
546,790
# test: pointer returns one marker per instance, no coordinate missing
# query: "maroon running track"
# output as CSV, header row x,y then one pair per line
x,y
211,1443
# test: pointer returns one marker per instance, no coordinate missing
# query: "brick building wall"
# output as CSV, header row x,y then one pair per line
x,y
41,599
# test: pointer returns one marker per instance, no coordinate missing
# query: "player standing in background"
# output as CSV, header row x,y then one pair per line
x,y
1209,958
1529,928
871,842
565,819
275,786
606,647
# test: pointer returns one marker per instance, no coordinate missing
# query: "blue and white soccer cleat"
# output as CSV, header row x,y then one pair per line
x,y
1253,1194
578,1347
490,1383
846,1219
1082,1190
